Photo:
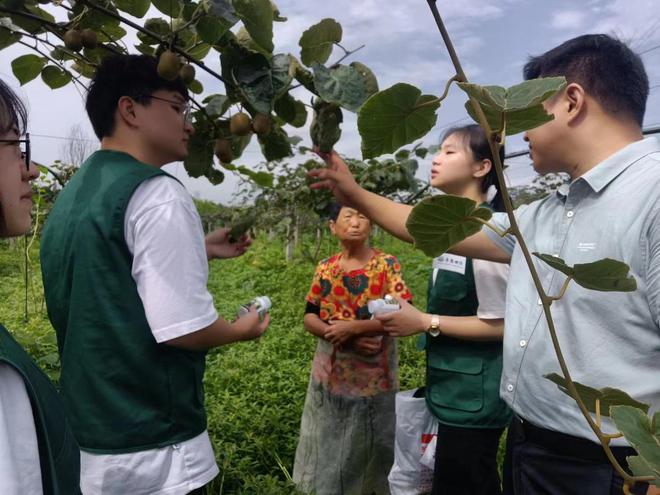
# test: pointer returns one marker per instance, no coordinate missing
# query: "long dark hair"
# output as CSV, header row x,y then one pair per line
x,y
475,137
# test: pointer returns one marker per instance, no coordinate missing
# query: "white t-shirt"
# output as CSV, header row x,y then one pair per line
x,y
164,233
489,279
20,471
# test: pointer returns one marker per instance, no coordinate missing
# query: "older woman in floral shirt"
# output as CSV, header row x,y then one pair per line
x,y
347,428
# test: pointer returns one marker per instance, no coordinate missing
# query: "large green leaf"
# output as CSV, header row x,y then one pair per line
x,y
439,222
210,28
200,154
157,26
199,51
637,427
291,110
317,41
607,396
55,77
282,73
370,81
171,8
275,145
27,67
395,117
341,84
137,8
603,275
253,75
640,467
7,35
224,9
519,107
216,105
257,17
325,129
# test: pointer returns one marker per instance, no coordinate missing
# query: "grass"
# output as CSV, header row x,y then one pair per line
x,y
254,390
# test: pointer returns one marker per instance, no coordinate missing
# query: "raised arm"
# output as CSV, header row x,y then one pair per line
x,y
390,215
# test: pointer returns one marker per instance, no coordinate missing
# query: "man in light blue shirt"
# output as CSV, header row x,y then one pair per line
x,y
610,209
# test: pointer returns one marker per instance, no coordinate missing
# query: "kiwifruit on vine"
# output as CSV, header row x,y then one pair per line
x,y
89,39
240,125
187,73
73,40
168,65
325,130
261,124
223,150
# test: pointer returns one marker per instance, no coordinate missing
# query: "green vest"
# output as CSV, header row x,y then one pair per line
x,y
462,376
123,391
59,455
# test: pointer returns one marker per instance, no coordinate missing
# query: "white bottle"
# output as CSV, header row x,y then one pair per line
x,y
385,305
261,303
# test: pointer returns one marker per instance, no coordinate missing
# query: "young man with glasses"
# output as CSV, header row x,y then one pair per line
x,y
125,268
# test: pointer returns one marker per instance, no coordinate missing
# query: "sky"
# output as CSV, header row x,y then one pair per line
x,y
493,39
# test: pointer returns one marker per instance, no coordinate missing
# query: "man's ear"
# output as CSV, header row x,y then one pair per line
x,y
331,225
575,101
127,111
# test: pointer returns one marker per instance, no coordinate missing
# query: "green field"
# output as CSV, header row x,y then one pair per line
x,y
254,390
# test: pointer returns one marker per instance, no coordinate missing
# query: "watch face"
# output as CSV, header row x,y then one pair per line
x,y
434,332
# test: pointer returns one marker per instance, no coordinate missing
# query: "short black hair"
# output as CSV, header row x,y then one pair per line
x,y
475,137
605,67
135,76
13,115
333,211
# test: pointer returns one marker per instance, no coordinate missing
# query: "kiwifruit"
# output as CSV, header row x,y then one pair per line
x,y
187,73
240,125
261,124
168,65
223,150
73,40
89,38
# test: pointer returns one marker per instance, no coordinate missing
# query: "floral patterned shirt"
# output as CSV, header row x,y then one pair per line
x,y
344,295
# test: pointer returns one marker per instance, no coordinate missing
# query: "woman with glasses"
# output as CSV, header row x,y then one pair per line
x,y
38,453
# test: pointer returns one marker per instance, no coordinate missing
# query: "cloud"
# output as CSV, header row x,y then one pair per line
x,y
568,19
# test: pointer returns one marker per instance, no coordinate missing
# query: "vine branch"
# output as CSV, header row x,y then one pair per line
x,y
347,54
442,97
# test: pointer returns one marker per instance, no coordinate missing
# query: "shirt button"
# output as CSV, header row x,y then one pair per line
x,y
569,214
523,343
509,387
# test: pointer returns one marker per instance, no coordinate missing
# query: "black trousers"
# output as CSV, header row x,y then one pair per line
x,y
545,462
199,491
466,461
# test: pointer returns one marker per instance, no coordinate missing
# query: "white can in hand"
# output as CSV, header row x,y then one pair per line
x,y
261,303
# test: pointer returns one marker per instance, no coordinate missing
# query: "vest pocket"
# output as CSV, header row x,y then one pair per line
x,y
456,382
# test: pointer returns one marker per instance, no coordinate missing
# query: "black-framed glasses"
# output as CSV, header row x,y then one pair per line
x,y
24,146
183,107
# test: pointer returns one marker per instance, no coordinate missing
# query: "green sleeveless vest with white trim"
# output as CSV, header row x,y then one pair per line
x,y
123,391
462,376
59,456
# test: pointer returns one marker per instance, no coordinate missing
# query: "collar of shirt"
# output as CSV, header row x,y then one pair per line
x,y
609,169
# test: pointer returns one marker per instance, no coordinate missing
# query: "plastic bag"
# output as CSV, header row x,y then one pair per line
x,y
416,431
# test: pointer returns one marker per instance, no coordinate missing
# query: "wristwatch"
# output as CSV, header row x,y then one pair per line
x,y
434,328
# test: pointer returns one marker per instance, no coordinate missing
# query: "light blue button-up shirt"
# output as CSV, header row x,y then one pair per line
x,y
608,338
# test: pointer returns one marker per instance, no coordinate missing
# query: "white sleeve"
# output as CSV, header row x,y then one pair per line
x,y
164,233
490,281
20,471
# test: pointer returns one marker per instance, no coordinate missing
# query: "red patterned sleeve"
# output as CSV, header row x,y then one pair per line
x,y
314,294
395,283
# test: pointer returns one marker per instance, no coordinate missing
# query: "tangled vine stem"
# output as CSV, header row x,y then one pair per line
x,y
546,300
